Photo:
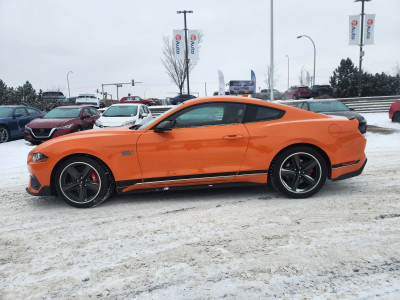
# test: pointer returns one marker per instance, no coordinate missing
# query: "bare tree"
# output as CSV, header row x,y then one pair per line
x,y
176,69
271,71
302,75
396,69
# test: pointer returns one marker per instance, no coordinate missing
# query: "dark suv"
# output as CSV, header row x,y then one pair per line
x,y
297,92
321,90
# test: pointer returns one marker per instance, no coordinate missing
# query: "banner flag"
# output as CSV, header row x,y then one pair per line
x,y
369,29
221,86
193,44
253,78
179,44
354,30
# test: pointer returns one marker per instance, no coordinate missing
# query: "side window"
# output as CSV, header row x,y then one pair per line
x,y
94,112
21,111
141,111
209,114
86,112
257,113
301,105
146,110
32,111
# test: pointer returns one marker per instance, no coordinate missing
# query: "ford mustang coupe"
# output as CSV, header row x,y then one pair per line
x,y
203,142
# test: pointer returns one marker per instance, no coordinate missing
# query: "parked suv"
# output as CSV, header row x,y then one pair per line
x,y
54,97
137,99
321,90
181,98
394,111
90,100
297,92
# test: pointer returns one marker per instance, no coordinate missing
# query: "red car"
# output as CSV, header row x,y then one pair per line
x,y
137,99
60,121
297,92
394,111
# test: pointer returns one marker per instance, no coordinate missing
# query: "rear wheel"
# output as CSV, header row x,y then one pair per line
x,y
298,172
4,134
396,117
295,97
82,182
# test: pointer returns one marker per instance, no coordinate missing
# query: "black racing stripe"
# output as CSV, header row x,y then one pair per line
x,y
253,172
183,177
125,183
342,165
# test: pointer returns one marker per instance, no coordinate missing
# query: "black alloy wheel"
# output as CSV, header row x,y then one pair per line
x,y
299,172
4,135
82,182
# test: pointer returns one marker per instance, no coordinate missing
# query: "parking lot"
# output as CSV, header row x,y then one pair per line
x,y
237,243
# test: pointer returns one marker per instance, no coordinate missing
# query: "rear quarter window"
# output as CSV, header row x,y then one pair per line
x,y
257,113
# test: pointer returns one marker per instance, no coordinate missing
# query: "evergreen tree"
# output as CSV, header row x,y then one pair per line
x,y
344,80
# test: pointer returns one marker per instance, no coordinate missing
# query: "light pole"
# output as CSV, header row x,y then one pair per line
x,y
184,12
69,94
287,71
361,44
271,62
315,53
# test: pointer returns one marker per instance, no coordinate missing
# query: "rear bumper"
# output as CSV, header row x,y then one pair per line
x,y
352,173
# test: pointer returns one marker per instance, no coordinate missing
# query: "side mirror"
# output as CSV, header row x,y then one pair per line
x,y
163,126
352,109
85,116
17,116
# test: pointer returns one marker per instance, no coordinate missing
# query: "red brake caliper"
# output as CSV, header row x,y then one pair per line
x,y
95,178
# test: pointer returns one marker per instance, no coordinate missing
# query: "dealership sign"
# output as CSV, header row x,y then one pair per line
x,y
369,29
179,44
354,30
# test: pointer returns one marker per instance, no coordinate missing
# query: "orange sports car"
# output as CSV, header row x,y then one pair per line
x,y
203,142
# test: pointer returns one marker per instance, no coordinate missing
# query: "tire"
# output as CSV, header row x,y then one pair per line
x,y
35,143
396,117
298,172
295,97
82,182
4,134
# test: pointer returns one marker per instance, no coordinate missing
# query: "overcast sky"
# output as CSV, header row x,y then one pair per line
x,y
107,41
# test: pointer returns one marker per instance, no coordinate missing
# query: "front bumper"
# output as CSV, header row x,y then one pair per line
x,y
30,137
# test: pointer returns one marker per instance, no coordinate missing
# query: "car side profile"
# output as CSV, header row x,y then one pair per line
x,y
13,119
137,99
201,143
124,115
60,121
394,112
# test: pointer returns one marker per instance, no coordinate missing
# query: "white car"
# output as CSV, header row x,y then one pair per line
x,y
89,99
124,115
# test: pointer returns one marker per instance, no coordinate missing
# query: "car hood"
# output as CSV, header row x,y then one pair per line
x,y
49,123
115,121
348,114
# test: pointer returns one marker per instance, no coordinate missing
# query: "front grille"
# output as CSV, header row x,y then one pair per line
x,y
41,132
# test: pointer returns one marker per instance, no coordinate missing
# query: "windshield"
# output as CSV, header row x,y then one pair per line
x,y
121,111
147,124
328,106
62,113
5,111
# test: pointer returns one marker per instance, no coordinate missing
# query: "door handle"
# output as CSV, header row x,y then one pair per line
x,y
232,137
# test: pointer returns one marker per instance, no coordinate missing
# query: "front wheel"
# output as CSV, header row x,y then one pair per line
x,y
295,97
298,172
82,182
4,135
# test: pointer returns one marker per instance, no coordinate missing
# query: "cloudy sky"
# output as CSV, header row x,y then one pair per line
x,y
108,41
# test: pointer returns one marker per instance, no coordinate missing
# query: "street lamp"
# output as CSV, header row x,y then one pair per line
x,y
69,94
287,71
315,53
184,12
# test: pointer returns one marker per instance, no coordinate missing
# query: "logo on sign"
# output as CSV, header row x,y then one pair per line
x,y
177,44
178,37
369,26
370,22
354,22
193,37
353,29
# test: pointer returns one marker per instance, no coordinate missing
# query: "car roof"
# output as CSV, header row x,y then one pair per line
x,y
316,100
75,106
126,104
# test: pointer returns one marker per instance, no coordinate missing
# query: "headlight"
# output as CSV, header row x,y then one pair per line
x,y
39,157
64,127
98,123
132,122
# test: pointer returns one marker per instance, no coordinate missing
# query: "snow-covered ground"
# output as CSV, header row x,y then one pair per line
x,y
236,243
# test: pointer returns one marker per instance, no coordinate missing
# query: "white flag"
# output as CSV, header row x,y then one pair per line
x,y
193,44
179,44
354,30
369,29
221,86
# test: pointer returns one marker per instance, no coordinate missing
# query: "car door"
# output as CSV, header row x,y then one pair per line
x,y
208,141
87,123
22,118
